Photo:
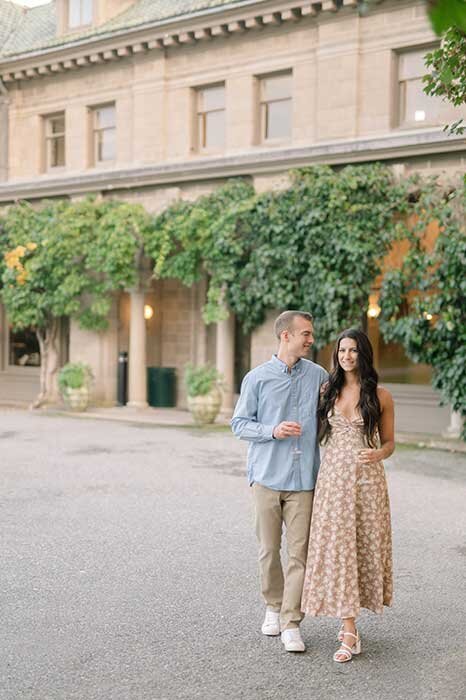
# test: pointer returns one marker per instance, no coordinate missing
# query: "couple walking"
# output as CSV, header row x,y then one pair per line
x,y
340,560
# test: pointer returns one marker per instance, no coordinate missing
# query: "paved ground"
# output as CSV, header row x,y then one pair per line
x,y
129,573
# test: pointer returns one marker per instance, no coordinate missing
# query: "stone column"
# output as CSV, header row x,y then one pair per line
x,y
456,426
137,382
225,360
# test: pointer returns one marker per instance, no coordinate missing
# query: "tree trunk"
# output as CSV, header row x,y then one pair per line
x,y
49,359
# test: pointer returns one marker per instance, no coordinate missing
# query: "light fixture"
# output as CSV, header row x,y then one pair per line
x,y
427,316
373,310
148,312
419,115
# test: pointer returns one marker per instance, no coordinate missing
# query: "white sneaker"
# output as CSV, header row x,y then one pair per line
x,y
292,640
271,624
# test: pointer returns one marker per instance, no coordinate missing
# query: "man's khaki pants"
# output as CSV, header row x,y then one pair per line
x,y
273,508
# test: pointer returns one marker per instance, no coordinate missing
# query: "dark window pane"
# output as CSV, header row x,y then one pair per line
x,y
24,348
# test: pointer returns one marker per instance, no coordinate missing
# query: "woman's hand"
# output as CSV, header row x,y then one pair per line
x,y
370,456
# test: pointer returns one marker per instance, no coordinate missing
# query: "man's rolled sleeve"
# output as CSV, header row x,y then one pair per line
x,y
244,422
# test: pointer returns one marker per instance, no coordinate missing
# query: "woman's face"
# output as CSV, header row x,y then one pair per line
x,y
348,354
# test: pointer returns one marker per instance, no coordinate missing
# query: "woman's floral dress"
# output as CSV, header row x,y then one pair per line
x,y
349,563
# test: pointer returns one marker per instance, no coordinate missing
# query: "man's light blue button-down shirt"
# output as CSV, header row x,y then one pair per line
x,y
270,394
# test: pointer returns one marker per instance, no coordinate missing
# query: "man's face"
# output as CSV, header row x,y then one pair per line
x,y
300,337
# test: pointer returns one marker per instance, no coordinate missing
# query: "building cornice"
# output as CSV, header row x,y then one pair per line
x,y
202,26
258,162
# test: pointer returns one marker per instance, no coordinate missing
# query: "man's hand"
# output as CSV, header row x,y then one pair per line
x,y
286,429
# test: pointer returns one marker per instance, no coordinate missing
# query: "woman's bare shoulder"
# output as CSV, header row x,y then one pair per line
x,y
385,397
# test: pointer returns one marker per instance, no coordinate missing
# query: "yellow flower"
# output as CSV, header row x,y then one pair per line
x,y
11,259
31,246
20,251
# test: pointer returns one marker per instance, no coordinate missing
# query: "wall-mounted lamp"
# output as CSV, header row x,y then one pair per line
x,y
148,312
373,310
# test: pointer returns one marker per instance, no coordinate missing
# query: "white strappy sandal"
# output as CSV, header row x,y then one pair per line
x,y
346,651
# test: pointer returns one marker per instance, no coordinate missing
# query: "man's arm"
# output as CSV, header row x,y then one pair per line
x,y
323,377
244,422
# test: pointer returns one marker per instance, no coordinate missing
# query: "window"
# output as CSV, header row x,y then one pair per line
x,y
415,107
275,107
24,348
79,13
211,118
103,121
55,141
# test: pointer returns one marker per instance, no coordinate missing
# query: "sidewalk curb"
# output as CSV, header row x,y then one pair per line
x,y
424,442
420,441
174,418
134,420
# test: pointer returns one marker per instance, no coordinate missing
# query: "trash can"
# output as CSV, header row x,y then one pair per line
x,y
122,379
161,387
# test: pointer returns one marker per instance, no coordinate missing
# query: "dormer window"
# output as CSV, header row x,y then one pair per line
x,y
80,13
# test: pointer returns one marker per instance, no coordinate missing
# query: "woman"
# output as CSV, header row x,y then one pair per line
x,y
349,564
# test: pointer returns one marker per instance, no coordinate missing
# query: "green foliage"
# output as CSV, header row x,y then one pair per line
x,y
318,246
424,302
447,13
202,379
443,14
67,259
74,375
192,238
447,78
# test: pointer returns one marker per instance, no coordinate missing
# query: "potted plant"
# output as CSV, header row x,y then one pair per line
x,y
203,385
74,381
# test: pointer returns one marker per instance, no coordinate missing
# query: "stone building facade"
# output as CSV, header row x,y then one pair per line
x,y
152,102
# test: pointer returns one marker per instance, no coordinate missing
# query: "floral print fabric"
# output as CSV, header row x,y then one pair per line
x,y
349,564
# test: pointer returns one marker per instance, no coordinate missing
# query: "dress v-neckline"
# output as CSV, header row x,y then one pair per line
x,y
350,420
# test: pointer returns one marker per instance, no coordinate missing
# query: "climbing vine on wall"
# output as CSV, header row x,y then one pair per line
x,y
423,301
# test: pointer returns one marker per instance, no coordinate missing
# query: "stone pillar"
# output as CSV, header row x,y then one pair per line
x,y
455,428
226,360
137,383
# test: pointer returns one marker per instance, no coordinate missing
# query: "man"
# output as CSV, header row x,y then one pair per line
x,y
276,413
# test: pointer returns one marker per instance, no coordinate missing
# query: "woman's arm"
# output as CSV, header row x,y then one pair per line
x,y
386,430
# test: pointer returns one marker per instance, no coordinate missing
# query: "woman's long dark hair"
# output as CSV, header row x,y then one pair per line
x,y
368,405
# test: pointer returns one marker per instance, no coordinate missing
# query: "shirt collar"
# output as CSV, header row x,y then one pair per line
x,y
283,367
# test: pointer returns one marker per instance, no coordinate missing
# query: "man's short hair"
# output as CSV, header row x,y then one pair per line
x,y
284,322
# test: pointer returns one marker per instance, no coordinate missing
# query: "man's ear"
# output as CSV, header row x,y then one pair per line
x,y
285,336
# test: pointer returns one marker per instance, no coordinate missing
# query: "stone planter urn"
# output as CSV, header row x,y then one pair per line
x,y
74,381
205,409
76,399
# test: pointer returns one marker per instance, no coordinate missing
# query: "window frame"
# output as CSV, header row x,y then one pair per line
x,y
95,130
263,110
48,137
77,27
400,88
200,120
